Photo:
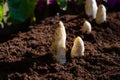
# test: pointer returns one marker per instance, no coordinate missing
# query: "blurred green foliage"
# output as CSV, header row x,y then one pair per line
x,y
21,10
78,1
1,10
62,3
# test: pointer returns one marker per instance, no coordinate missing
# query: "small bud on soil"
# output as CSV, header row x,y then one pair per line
x,y
78,48
101,14
91,8
86,28
58,47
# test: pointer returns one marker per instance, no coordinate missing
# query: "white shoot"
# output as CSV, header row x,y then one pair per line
x,y
91,8
86,28
78,48
58,48
101,14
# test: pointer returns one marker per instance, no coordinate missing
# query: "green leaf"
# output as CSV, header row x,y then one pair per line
x,y
62,3
21,10
1,11
78,1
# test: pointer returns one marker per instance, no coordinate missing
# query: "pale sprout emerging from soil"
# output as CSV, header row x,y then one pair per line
x,y
101,14
91,8
5,13
86,28
5,8
78,48
58,47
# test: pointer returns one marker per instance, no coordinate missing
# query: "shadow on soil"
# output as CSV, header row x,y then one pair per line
x,y
22,66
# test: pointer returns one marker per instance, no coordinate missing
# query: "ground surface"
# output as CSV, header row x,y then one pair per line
x,y
25,56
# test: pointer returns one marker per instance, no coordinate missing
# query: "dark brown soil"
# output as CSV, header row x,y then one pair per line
x,y
25,56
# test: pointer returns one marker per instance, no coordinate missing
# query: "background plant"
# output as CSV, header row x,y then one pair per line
x,y
1,9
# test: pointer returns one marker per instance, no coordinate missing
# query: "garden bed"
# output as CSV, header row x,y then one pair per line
x,y
26,55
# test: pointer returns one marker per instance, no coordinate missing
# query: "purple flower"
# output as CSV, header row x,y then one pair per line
x,y
69,0
118,1
51,1
40,4
112,3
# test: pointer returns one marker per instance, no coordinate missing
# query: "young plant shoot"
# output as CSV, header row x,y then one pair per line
x,y
101,14
5,12
91,8
58,47
78,48
5,9
86,28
